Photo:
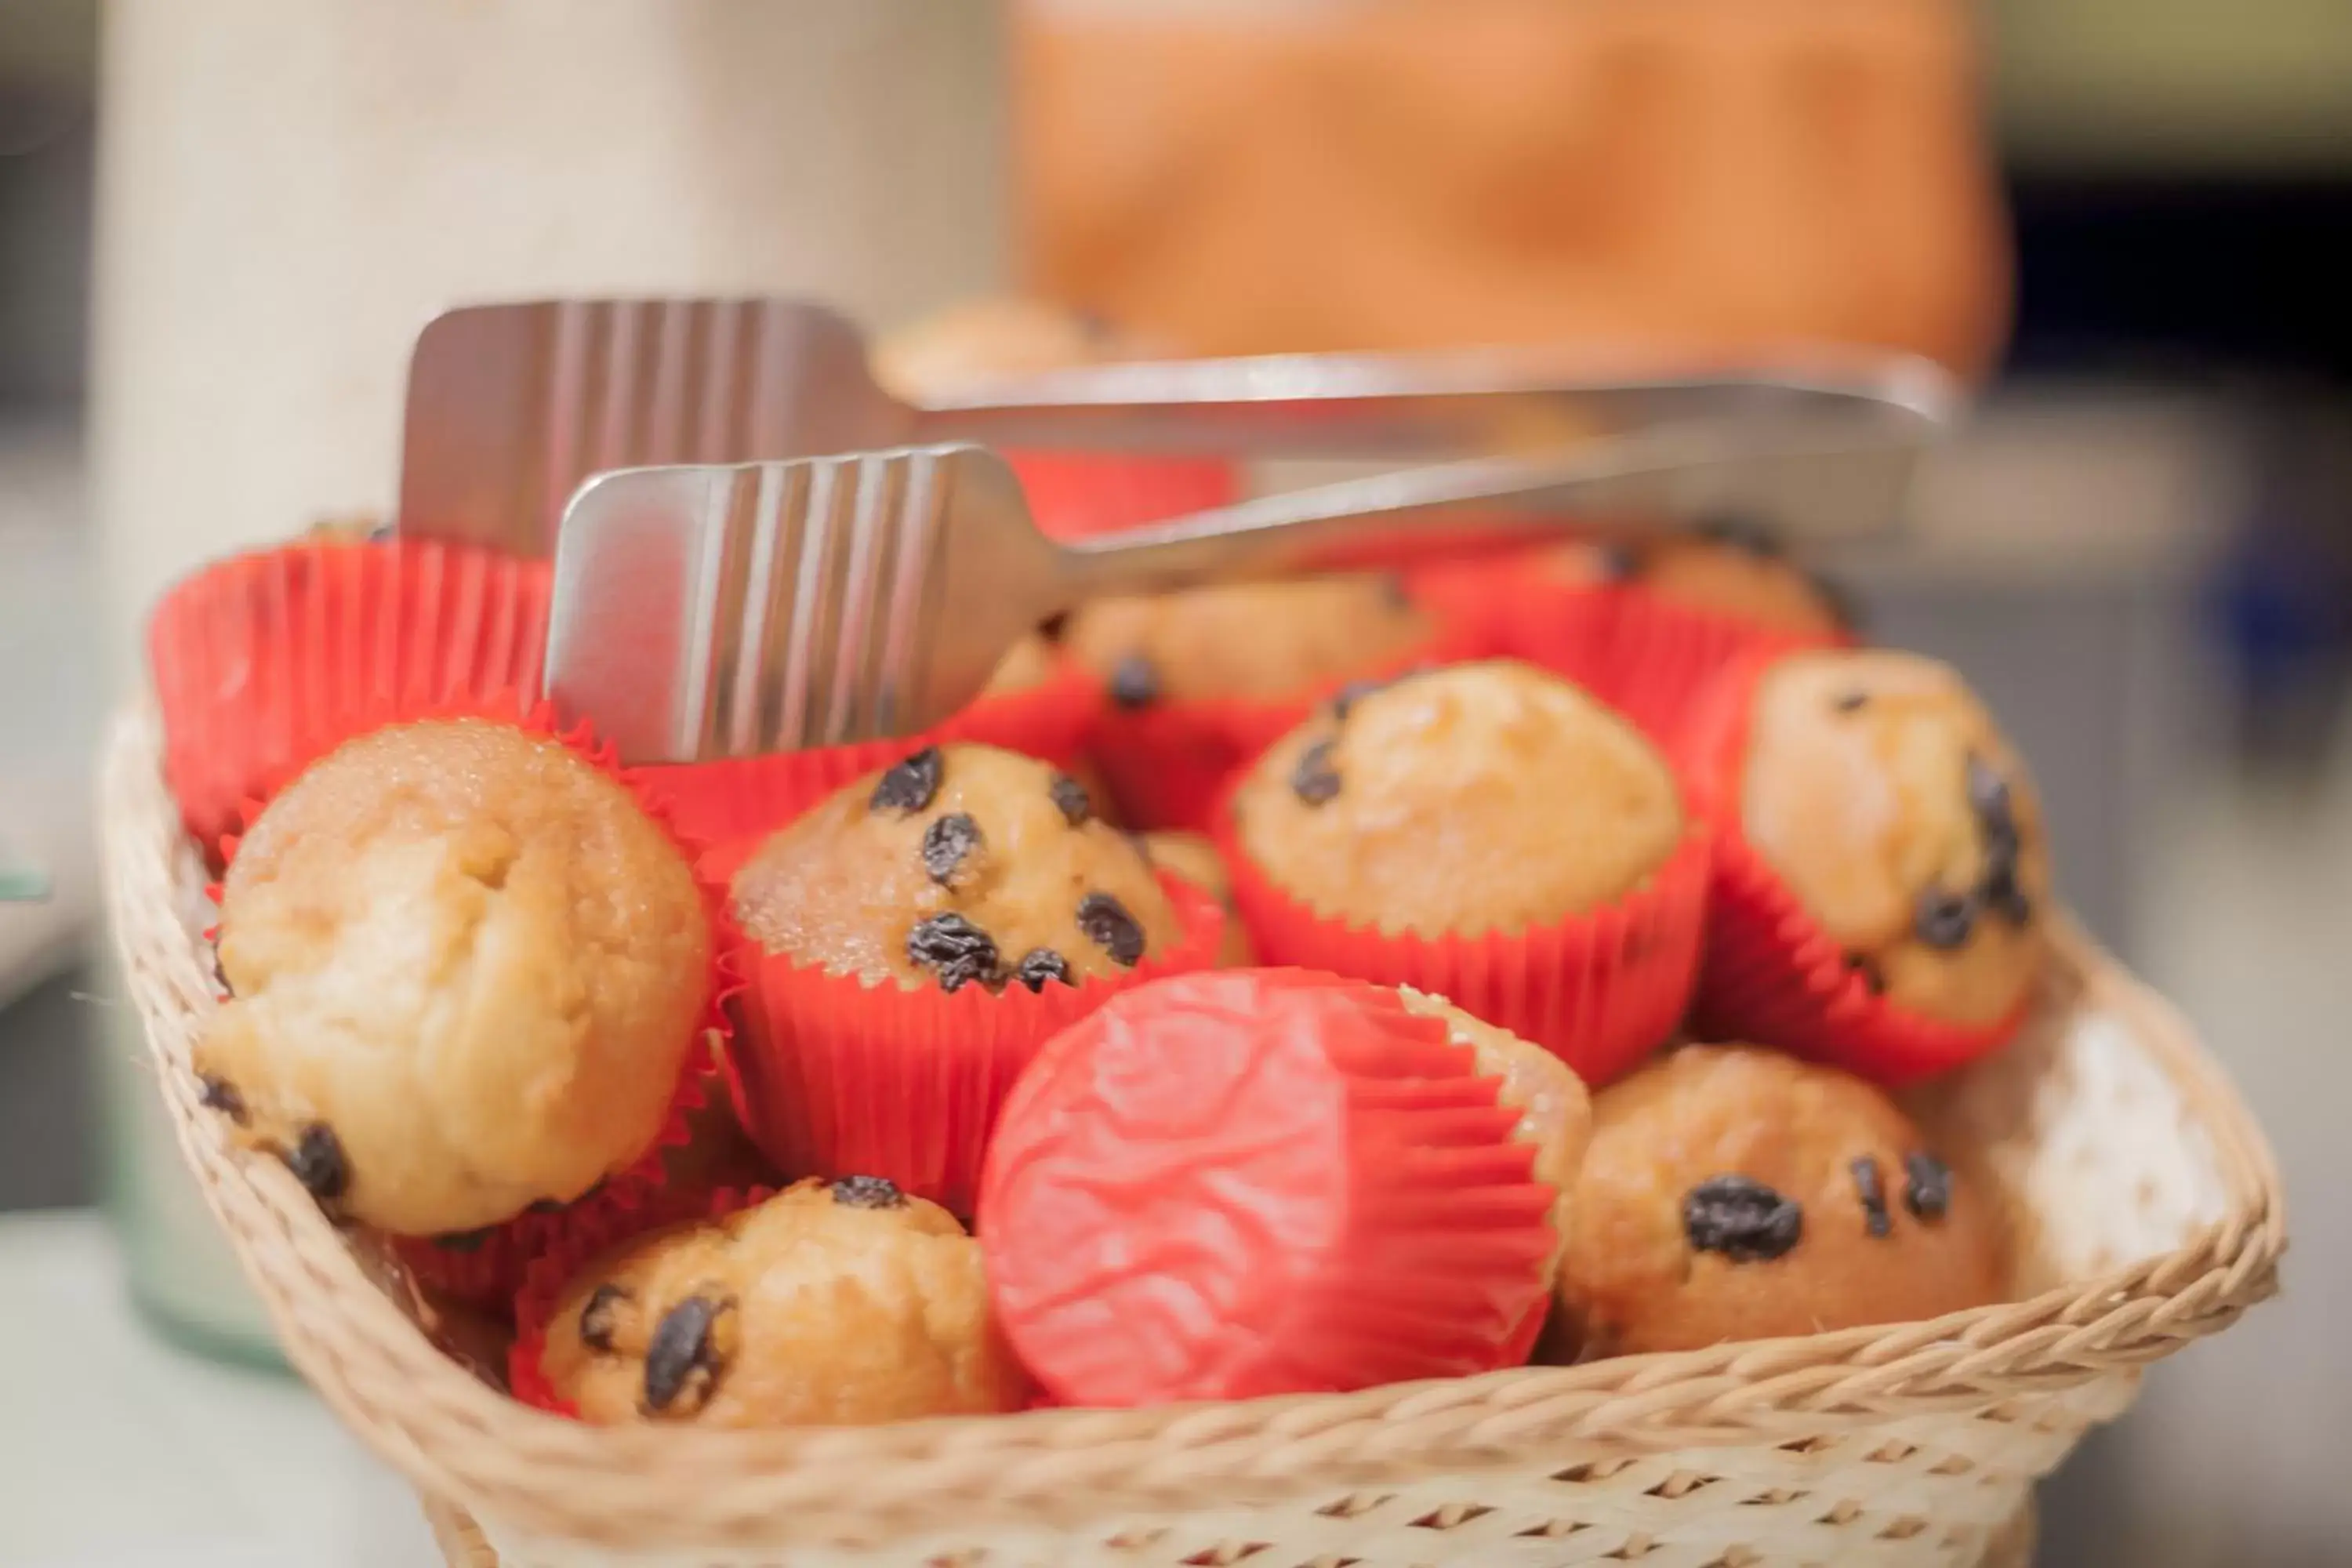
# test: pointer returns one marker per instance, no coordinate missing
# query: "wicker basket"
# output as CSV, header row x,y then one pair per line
x,y
2149,1216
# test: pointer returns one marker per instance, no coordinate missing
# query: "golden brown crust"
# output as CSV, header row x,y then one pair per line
x,y
1856,791
846,884
1251,639
1478,797
1634,1280
812,1311
471,958
1556,1111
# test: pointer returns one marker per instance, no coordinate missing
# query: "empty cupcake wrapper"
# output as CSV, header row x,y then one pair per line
x,y
264,661
1436,1267
833,1077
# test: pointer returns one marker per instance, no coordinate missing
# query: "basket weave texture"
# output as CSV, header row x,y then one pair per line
x,y
2147,1215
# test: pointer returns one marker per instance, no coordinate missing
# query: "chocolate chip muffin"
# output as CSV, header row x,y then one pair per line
x,y
465,970
1485,796
1729,568
960,865
1194,857
1556,1113
1734,1193
1252,641
1878,788
834,1303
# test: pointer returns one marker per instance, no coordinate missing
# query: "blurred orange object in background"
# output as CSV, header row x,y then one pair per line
x,y
1677,175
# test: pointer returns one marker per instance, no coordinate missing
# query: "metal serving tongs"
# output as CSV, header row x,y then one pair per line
x,y
710,611
511,406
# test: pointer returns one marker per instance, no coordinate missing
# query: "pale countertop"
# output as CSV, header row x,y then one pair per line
x,y
120,1451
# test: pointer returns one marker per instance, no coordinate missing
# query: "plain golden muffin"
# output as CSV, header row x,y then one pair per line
x,y
1878,788
1485,796
1733,1193
465,971
959,864
1555,1111
1260,640
834,1303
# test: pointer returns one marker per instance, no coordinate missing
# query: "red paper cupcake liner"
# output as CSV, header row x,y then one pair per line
x,y
1154,1172
264,661
534,1296
749,797
1167,761
481,1268
1644,655
1078,495
1599,990
1771,975
834,1076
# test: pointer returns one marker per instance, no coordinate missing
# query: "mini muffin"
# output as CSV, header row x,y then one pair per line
x,y
1729,568
1731,1193
959,864
1479,797
1257,1181
1488,833
833,1303
1253,640
465,971
1194,857
1883,868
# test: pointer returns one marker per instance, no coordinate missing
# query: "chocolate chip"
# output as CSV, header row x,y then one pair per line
x,y
597,1317
1927,1193
222,1096
1134,683
380,532
867,1193
1108,925
1052,628
2004,898
955,947
684,1359
1040,965
1873,1193
1872,977
1314,780
1851,702
1988,792
908,787
1742,533
946,843
463,1240
1944,919
1742,1219
1616,562
1344,701
1396,592
1071,796
318,1163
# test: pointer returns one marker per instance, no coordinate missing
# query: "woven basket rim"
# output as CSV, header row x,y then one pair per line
x,y
458,1439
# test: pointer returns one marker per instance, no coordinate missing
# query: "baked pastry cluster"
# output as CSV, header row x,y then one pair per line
x,y
1380,1009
